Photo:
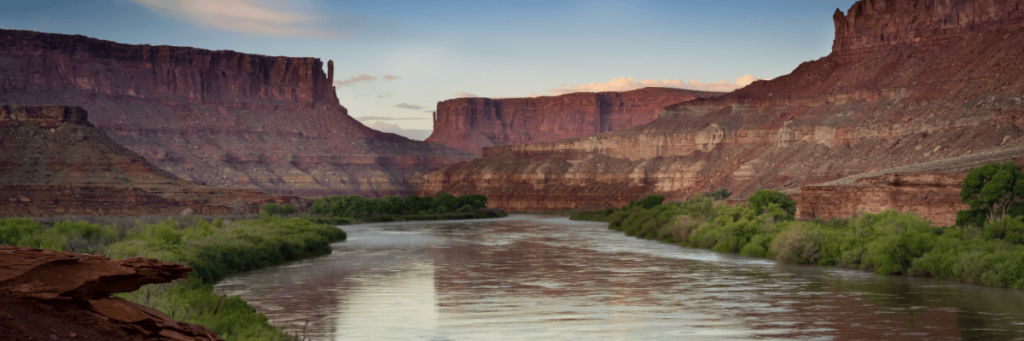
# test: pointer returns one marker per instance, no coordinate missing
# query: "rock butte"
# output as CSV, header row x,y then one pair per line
x,y
471,124
54,162
217,117
907,82
46,294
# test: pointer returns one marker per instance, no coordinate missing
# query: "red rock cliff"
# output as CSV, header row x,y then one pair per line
x,y
53,162
863,108
471,124
48,295
217,117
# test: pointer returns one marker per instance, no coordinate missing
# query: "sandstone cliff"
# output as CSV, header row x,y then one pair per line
x,y
471,124
48,295
54,162
955,87
217,117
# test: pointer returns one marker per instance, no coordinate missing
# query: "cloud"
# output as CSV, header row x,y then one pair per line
x,y
256,17
464,95
409,106
391,77
382,118
415,134
627,84
352,80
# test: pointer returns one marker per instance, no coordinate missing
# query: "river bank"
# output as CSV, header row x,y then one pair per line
x,y
887,243
214,248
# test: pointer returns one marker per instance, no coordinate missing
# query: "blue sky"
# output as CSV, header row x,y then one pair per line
x,y
437,50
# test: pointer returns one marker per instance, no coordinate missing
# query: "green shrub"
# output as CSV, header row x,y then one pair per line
x,y
761,199
799,244
277,209
650,201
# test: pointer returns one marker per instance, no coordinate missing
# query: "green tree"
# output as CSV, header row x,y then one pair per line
x,y
992,191
720,194
761,198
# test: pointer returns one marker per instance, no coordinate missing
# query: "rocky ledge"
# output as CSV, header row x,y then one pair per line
x,y
49,295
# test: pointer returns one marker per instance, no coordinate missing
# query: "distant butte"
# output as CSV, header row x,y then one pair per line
x,y
471,124
907,82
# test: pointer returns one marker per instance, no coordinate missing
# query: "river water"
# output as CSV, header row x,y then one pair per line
x,y
530,277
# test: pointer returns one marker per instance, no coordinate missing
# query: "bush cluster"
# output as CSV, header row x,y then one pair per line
x,y
213,248
391,208
887,243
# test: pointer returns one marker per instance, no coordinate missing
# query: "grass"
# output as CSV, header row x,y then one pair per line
x,y
213,247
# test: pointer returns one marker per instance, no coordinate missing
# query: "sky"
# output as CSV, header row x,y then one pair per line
x,y
394,60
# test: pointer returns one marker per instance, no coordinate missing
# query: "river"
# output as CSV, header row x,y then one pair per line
x,y
529,277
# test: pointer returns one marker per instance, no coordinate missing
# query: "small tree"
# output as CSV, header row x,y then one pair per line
x,y
993,191
761,198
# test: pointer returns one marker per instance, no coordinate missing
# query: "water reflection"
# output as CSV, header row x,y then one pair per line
x,y
530,277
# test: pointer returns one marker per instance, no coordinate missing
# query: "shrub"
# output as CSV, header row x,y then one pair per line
x,y
650,201
277,209
720,194
761,198
799,244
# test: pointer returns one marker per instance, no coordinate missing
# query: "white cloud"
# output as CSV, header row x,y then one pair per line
x,y
627,84
257,17
409,106
415,134
464,95
352,80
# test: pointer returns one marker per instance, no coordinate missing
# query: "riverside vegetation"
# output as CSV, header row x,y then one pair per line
x,y
213,248
444,206
986,247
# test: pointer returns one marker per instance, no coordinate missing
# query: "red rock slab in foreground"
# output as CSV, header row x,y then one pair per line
x,y
50,295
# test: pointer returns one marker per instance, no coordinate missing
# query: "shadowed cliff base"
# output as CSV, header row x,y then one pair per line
x,y
952,88
472,124
53,162
218,118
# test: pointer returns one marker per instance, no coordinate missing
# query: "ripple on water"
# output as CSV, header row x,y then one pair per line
x,y
536,277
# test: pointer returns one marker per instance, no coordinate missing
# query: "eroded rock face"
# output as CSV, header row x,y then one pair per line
x,y
49,295
471,124
888,106
53,162
217,117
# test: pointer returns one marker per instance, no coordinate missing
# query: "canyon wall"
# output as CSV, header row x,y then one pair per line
x,y
471,124
863,108
53,162
219,118
50,295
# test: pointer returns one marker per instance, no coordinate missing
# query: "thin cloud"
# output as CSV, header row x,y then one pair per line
x,y
256,17
465,95
415,134
627,84
391,77
409,106
352,80
382,118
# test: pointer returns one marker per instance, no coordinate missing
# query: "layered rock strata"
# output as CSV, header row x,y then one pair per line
x,y
471,124
863,108
48,295
219,118
931,189
54,162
